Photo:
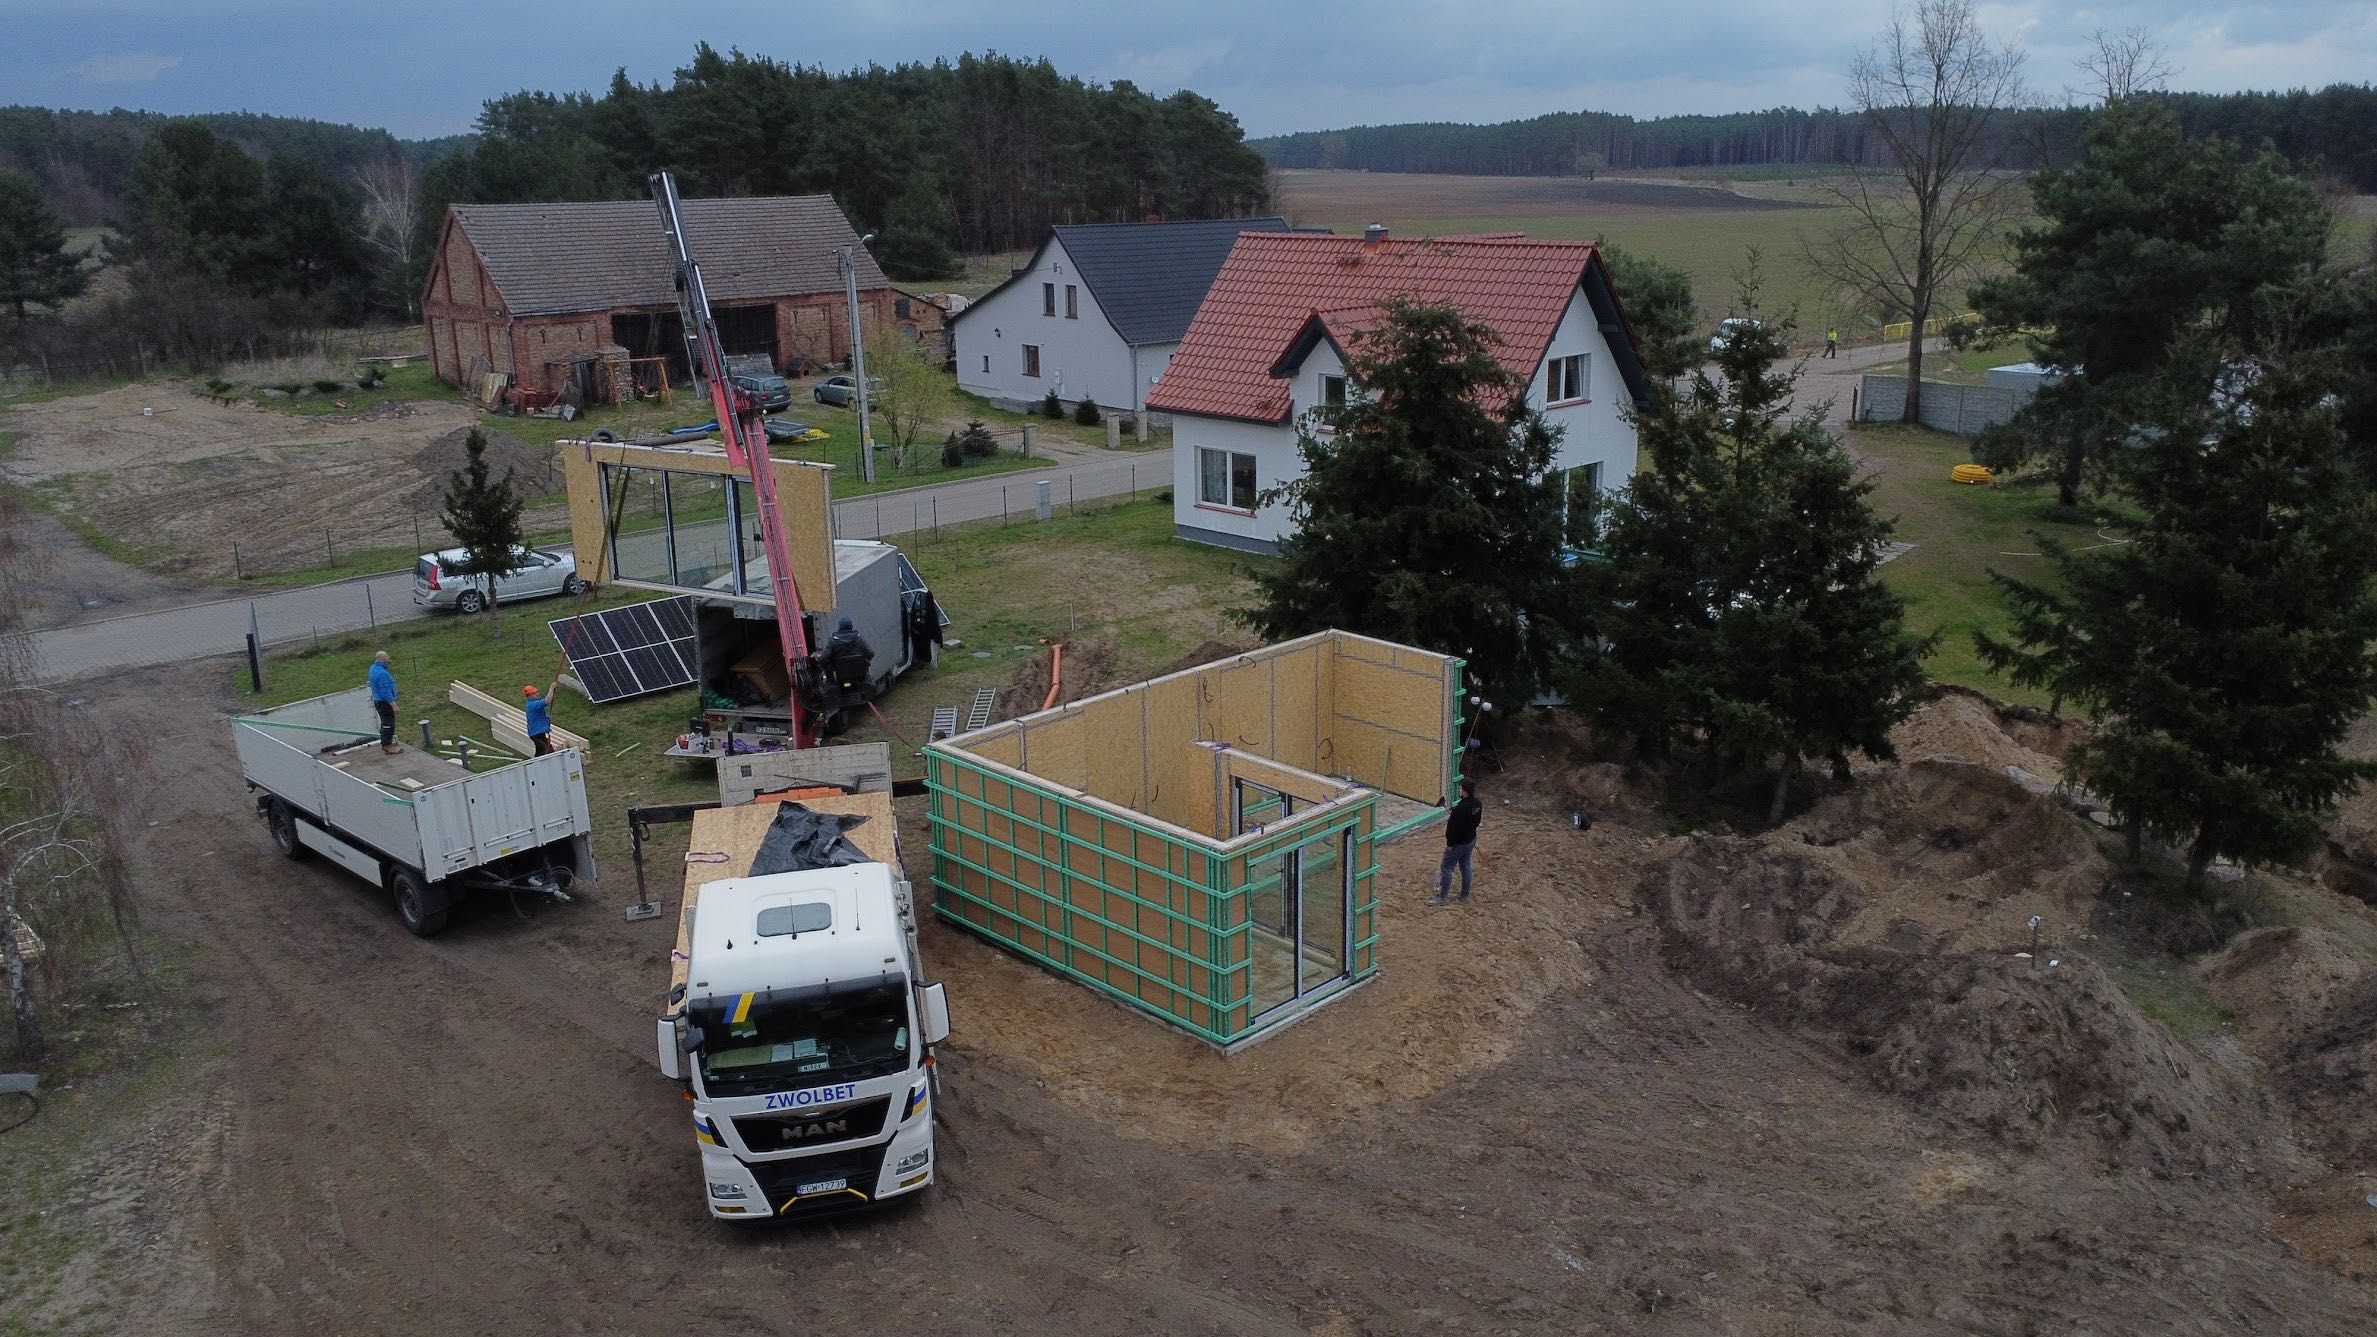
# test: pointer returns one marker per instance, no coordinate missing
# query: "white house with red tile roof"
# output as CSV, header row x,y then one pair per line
x,y
1269,343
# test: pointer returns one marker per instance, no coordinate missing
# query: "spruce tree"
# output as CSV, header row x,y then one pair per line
x,y
1739,603
2224,647
2152,234
482,512
1429,515
36,269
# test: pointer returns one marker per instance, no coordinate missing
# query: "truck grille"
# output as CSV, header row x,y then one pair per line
x,y
780,1181
798,1129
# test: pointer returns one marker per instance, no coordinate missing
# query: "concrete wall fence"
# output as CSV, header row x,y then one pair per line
x,y
1962,409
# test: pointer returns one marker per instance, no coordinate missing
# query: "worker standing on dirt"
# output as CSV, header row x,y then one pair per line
x,y
1460,842
1832,342
539,710
383,700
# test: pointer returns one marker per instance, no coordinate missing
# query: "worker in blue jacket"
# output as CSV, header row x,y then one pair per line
x,y
383,700
539,710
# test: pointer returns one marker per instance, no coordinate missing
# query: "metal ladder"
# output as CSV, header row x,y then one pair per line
x,y
979,716
944,723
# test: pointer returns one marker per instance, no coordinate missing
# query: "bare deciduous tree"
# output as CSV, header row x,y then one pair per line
x,y
2125,64
391,219
916,395
1931,93
63,879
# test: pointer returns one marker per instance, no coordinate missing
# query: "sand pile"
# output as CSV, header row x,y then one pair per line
x,y
532,467
2306,1003
1089,669
1895,941
1960,724
1955,856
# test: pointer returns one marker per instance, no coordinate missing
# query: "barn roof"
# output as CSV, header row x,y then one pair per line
x,y
1147,277
550,259
1277,290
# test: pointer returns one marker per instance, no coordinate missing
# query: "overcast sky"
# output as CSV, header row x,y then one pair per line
x,y
422,67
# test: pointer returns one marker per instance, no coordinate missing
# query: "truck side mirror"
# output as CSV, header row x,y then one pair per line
x,y
934,1000
672,1064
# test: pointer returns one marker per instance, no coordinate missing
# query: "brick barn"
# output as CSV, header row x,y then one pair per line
x,y
538,291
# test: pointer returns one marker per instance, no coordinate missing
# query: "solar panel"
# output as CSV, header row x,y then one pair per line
x,y
622,652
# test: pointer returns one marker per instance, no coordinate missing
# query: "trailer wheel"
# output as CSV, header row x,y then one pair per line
x,y
283,824
419,906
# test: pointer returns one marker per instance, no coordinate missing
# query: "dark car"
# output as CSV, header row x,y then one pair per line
x,y
843,390
772,391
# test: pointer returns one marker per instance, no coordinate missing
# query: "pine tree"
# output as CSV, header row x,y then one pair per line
x,y
36,269
1431,515
2225,648
483,514
1659,306
1739,602
2150,236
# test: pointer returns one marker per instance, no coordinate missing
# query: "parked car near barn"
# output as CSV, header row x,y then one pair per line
x,y
843,390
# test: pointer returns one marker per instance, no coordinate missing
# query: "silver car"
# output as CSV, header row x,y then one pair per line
x,y
438,580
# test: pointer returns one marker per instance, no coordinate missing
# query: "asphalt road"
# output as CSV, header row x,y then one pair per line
x,y
220,627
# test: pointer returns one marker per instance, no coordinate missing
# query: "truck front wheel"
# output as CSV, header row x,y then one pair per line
x,y
419,906
283,824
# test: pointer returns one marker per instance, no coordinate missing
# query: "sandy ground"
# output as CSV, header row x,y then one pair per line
x,y
76,584
1530,1122
190,477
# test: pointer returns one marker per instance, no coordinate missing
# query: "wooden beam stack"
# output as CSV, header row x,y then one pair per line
x,y
510,724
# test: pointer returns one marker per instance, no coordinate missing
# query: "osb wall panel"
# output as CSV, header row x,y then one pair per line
x,y
804,500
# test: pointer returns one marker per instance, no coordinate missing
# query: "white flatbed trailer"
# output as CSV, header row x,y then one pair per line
x,y
420,826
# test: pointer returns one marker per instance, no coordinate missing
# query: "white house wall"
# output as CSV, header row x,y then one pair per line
x,y
1595,431
1079,358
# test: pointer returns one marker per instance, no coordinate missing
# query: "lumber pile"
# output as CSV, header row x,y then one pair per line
x,y
509,724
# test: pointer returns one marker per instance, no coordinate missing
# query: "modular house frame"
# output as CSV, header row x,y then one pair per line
x,y
1201,846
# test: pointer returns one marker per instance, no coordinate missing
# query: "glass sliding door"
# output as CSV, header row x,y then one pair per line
x,y
1300,923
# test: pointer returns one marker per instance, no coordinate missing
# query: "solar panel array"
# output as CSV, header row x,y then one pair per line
x,y
623,652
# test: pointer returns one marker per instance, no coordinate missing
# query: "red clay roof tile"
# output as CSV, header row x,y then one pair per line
x,y
1273,283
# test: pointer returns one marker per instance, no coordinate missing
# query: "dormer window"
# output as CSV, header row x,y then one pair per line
x,y
1332,392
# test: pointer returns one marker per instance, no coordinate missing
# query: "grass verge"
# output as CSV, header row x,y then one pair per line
x,y
1113,570
1960,534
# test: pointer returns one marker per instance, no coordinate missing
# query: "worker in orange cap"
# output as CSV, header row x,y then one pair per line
x,y
539,710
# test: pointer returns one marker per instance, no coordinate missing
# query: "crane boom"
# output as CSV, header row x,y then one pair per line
x,y
745,437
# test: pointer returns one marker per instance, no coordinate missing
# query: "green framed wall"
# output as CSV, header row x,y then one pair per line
x,y
1096,839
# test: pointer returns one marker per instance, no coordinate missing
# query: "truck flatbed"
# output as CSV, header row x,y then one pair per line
x,y
725,839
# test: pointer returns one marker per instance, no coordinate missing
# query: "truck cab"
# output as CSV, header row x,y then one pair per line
x,y
804,1031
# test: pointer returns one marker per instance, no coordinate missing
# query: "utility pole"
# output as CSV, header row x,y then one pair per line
x,y
858,359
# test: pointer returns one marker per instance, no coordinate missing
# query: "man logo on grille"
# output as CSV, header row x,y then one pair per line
x,y
803,1132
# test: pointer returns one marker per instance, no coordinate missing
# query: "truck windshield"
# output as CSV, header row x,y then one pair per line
x,y
845,1035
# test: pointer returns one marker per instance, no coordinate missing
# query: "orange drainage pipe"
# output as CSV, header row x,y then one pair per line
x,y
1056,673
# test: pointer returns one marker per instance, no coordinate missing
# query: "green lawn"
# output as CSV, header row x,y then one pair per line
x,y
1113,570
1960,533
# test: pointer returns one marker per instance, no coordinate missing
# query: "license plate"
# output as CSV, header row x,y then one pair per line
x,y
823,1186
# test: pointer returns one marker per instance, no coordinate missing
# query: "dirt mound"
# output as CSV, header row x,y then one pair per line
x,y
1959,724
532,467
2019,1050
2331,1076
2282,983
1955,856
1203,655
1089,669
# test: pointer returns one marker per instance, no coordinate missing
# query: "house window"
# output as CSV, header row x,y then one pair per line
x,y
1047,299
900,308
1227,479
1031,359
1564,379
1072,302
986,364
1333,392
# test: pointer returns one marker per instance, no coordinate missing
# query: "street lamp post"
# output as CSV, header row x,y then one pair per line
x,y
858,359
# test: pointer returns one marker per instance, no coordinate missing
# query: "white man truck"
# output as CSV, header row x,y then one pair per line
x,y
799,1020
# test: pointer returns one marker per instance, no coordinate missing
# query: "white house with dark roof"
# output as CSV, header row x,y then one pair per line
x,y
1096,313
